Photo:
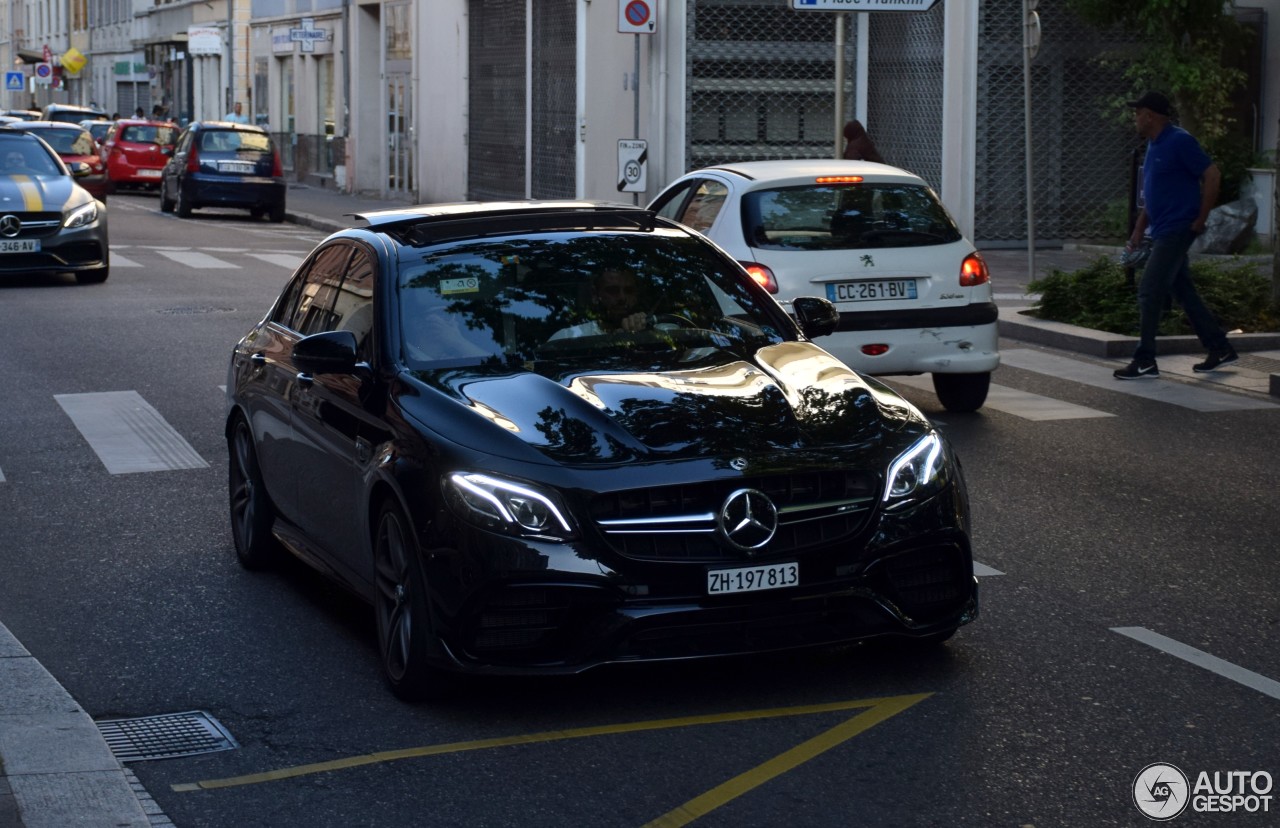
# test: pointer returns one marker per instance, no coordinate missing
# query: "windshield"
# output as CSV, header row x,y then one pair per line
x,y
846,217
70,141
605,299
23,156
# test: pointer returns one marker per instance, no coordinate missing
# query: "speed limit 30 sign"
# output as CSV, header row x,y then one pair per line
x,y
633,162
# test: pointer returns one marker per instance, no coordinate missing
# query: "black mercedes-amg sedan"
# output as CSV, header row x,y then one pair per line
x,y
539,437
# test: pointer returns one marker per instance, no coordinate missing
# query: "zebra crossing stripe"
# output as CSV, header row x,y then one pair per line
x,y
127,434
118,261
196,260
1018,403
286,260
1194,397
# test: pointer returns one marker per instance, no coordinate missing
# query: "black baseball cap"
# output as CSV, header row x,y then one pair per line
x,y
1154,101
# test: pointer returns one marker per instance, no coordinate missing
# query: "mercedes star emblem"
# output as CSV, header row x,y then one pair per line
x,y
10,225
748,520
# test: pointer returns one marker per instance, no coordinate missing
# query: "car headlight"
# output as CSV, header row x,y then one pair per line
x,y
506,506
84,215
917,473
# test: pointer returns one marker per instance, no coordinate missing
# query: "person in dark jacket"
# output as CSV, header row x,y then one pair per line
x,y
857,144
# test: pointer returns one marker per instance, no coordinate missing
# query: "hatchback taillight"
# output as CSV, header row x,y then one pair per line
x,y
973,271
761,275
193,159
277,169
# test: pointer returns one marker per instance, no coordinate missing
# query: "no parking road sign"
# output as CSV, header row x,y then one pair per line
x,y
637,16
43,72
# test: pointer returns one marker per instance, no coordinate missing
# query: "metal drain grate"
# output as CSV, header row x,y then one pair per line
x,y
165,737
1259,363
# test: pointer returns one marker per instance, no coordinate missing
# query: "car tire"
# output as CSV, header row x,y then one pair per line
x,y
401,610
962,392
111,186
93,277
166,204
184,203
256,213
276,214
252,512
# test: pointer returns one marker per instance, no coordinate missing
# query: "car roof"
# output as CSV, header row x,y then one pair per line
x,y
429,223
199,125
794,170
30,125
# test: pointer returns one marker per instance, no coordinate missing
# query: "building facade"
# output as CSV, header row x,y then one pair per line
x,y
479,99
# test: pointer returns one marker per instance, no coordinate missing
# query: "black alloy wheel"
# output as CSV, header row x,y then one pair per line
x,y
184,203
400,603
251,511
166,204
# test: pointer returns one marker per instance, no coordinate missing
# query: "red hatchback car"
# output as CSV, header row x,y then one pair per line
x,y
136,150
72,143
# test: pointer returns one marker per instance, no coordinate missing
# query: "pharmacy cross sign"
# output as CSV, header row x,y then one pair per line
x,y
308,34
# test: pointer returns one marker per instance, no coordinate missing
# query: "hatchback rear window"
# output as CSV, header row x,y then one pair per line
x,y
227,140
149,134
846,217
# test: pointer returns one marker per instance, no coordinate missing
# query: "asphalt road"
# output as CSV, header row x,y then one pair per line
x,y
1110,543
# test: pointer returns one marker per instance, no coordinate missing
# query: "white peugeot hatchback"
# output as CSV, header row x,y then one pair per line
x,y
914,295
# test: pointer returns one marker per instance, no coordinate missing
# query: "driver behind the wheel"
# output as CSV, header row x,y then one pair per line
x,y
615,299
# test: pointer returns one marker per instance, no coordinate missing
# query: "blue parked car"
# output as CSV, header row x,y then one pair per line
x,y
223,164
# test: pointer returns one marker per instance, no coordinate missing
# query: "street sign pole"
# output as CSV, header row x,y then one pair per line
x,y
636,88
1030,47
839,107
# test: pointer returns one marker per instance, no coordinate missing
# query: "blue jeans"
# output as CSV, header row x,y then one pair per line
x,y
1168,274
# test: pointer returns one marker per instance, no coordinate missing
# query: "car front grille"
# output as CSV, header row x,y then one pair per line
x,y
36,225
679,523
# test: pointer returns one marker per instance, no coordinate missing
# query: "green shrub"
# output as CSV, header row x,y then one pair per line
x,y
1099,297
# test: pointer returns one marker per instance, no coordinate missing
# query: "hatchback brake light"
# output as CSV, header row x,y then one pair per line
x,y
838,179
761,275
193,159
277,169
973,271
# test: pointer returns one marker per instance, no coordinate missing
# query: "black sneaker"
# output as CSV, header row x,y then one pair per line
x,y
1137,370
1215,359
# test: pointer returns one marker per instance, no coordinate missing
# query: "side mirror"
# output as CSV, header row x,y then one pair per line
x,y
79,169
166,150
330,352
817,317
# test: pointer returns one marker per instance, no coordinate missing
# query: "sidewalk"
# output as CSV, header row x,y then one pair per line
x,y
56,770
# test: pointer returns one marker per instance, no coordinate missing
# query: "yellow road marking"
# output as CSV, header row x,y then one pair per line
x,y
880,709
798,755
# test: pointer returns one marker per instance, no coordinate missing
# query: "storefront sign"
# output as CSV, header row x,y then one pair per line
x,y
204,40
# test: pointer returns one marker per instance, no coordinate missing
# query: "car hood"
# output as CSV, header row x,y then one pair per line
x,y
791,396
39,193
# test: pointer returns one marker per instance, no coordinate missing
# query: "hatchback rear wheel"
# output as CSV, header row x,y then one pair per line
x,y
184,203
961,392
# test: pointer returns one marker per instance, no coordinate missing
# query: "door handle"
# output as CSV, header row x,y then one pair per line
x,y
305,380
258,359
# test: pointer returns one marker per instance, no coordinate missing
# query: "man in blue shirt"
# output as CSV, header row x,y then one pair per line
x,y
1179,188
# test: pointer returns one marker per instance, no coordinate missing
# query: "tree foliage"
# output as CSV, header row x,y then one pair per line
x,y
1183,48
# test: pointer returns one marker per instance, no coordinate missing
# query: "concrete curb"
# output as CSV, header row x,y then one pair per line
x,y
1015,324
57,767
